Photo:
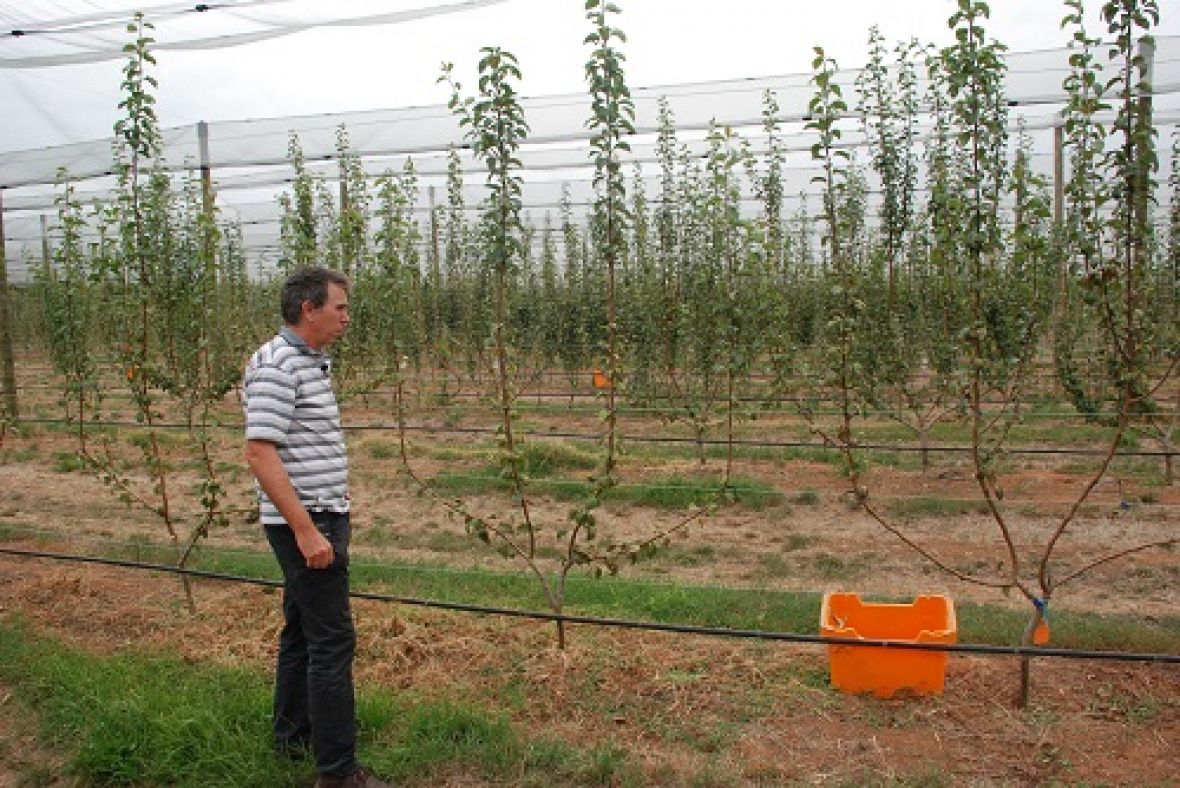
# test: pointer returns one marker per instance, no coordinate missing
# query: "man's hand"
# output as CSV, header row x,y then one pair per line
x,y
264,462
315,548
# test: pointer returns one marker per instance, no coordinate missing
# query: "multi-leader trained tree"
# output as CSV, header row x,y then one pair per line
x,y
149,296
997,275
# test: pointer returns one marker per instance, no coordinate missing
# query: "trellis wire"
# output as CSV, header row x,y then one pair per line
x,y
672,439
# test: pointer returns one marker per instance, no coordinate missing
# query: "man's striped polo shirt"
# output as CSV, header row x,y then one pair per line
x,y
288,397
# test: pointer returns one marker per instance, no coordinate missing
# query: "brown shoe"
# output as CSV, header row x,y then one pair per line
x,y
361,778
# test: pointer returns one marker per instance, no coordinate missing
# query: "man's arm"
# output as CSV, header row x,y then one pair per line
x,y
263,458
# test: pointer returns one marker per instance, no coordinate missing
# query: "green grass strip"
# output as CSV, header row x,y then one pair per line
x,y
676,603
697,605
927,506
135,718
667,492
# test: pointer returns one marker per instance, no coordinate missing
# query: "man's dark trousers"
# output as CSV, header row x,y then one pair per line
x,y
314,701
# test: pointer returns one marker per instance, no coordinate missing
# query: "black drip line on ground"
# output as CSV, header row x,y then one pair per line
x,y
713,442
650,626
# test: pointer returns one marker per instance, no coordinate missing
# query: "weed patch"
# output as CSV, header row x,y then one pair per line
x,y
925,506
669,492
68,462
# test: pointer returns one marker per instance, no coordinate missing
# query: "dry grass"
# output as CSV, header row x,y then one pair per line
x,y
682,708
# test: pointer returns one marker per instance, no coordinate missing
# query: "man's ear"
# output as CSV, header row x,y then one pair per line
x,y
305,309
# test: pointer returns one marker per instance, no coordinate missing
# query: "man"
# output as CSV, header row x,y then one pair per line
x,y
295,448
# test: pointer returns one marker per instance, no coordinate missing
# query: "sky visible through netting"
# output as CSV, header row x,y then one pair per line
x,y
249,162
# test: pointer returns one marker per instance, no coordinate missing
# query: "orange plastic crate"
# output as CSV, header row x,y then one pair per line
x,y
888,671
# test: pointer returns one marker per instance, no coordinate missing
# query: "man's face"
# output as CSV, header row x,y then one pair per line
x,y
327,323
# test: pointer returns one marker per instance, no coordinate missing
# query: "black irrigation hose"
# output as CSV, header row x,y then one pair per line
x,y
901,449
650,626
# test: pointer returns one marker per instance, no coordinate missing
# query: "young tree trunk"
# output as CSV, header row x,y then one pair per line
x,y
924,443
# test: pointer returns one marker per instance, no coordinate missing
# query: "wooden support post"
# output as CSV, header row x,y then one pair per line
x,y
433,307
1058,175
46,255
1059,208
206,165
213,317
7,363
433,227
346,260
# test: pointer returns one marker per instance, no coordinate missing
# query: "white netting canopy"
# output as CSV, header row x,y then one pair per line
x,y
249,158
74,31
